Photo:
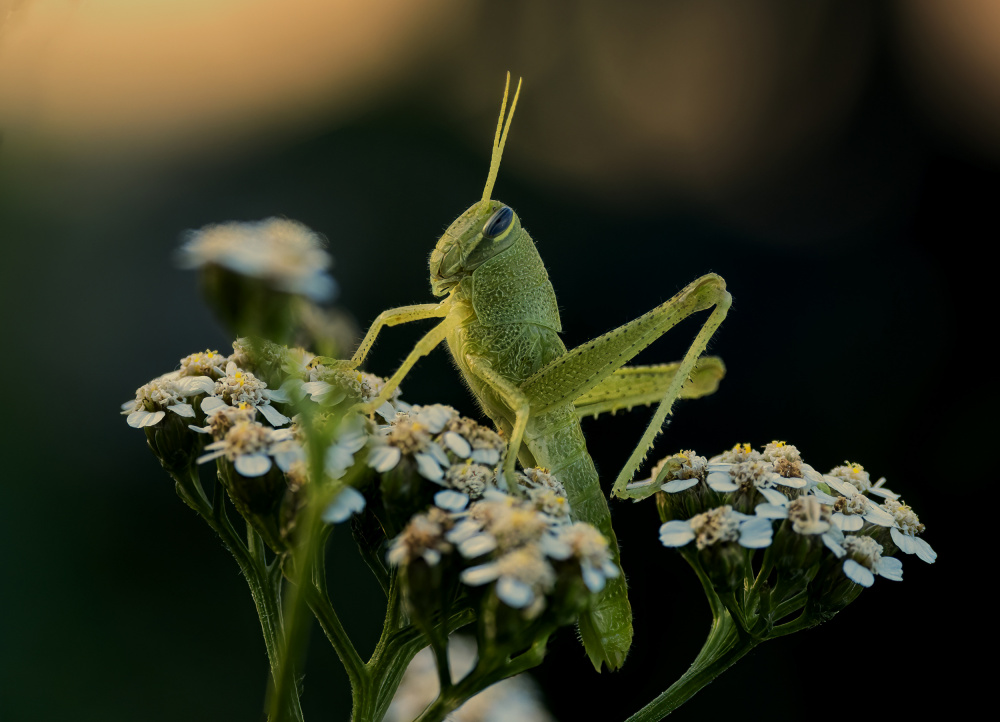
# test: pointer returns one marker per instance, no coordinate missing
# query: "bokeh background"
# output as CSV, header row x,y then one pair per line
x,y
836,161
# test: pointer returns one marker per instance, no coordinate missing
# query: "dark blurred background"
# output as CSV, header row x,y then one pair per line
x,y
835,161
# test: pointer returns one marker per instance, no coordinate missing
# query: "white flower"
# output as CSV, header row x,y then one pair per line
x,y
904,531
242,387
864,556
586,544
718,525
522,577
349,501
283,253
250,446
410,436
169,392
208,363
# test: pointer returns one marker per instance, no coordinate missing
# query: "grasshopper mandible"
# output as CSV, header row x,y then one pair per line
x,y
501,323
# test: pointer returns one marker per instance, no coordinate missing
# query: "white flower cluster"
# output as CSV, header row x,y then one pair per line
x,y
520,544
743,492
283,253
229,397
445,448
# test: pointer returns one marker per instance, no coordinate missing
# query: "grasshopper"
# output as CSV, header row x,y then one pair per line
x,y
501,323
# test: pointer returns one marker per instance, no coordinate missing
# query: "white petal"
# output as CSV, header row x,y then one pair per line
x,y
756,533
231,368
129,406
719,466
457,444
890,568
830,540
212,456
437,453
482,574
487,457
465,529
721,481
848,522
477,545
858,573
384,458
348,501
185,410
211,404
903,541
672,487
844,488
824,498
252,464
275,417
771,511
386,411
773,496
879,516
591,576
451,500
142,418
194,385
554,547
880,490
280,394
514,592
792,481
429,467
676,533
316,389
434,418
924,550
200,429
431,556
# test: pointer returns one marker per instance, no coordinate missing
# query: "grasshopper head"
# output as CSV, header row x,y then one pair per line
x,y
485,230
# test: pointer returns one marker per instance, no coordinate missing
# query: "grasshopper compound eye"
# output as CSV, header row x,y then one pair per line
x,y
498,223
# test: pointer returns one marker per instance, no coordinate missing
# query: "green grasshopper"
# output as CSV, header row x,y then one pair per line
x,y
501,322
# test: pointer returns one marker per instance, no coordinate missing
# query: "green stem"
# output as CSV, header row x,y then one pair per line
x,y
723,648
264,589
484,675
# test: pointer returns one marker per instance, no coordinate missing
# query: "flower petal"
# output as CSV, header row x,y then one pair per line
x,y
477,545
429,467
275,417
515,593
185,410
457,444
142,418
384,458
676,533
348,501
858,573
890,568
677,485
721,481
756,533
252,465
451,500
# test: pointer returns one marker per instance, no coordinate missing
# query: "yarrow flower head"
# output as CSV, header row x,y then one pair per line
x,y
169,392
242,387
284,253
832,538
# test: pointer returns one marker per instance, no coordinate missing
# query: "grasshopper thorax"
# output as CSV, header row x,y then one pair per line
x,y
484,231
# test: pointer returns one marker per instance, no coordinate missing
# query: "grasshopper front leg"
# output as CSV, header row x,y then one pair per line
x,y
516,401
394,317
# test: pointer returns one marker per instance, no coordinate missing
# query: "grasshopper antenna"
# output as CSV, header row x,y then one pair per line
x,y
500,140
